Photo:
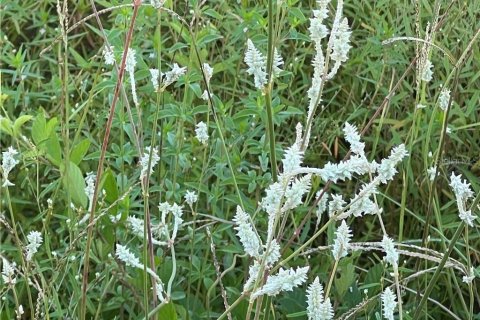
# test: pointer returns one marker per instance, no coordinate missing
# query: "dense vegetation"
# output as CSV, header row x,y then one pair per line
x,y
140,183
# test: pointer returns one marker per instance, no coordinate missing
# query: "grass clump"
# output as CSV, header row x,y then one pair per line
x,y
282,159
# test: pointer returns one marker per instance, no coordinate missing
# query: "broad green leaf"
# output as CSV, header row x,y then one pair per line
x,y
74,183
79,151
53,149
46,139
109,184
19,123
346,279
372,280
6,126
168,312
39,129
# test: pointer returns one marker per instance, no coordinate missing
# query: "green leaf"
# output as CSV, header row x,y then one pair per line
x,y
372,280
168,312
346,279
208,38
109,184
53,149
297,13
79,151
214,14
79,59
39,129
6,126
75,184
46,139
19,123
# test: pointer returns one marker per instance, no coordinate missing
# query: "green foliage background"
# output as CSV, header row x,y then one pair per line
x,y
35,94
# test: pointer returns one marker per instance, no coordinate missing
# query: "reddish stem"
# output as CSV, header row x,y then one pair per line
x,y
108,127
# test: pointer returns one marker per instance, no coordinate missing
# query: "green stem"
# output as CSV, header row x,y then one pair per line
x,y
303,246
271,133
332,276
399,292
155,310
268,93
232,306
433,282
25,265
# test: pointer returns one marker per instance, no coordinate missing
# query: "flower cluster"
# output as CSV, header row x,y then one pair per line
x,y
318,308
390,251
191,197
126,256
321,205
426,73
90,188
8,272
285,280
177,213
137,227
342,241
155,74
256,63
173,75
34,241
292,159
318,31
277,62
462,192
201,132
471,275
431,172
157,4
145,160
389,304
444,99
165,79
108,55
208,72
8,163
130,63
246,234
341,44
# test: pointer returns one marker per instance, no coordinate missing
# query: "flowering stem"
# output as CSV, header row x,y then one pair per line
x,y
384,103
83,303
217,123
439,269
148,254
174,271
332,276
261,276
258,307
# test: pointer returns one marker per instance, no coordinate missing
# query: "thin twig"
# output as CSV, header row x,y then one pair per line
x,y
83,304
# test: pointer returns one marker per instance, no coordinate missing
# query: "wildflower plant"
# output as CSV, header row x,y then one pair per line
x,y
238,160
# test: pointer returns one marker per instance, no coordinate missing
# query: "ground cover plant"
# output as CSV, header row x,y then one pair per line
x,y
239,159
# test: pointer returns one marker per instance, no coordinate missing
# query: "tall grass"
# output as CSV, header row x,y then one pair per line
x,y
202,236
